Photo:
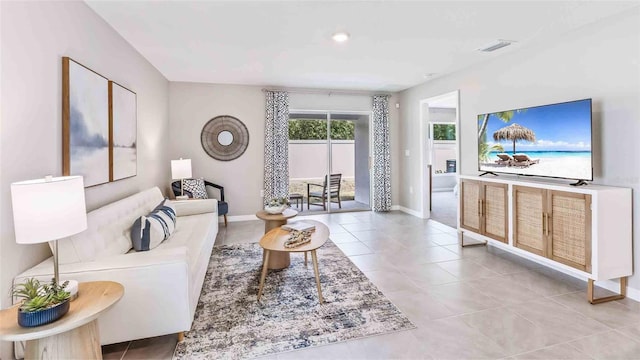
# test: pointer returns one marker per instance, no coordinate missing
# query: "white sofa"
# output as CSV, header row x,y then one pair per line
x,y
161,286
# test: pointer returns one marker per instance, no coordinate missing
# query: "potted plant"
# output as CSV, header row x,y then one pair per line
x,y
41,303
277,205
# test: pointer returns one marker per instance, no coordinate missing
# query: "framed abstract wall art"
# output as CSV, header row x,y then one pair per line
x,y
85,123
123,125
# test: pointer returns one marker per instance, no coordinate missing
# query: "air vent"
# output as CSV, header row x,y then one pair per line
x,y
495,45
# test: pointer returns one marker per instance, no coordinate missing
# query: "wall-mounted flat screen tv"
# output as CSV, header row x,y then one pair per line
x,y
550,140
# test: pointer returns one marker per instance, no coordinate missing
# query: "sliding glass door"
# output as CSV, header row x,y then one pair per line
x,y
329,161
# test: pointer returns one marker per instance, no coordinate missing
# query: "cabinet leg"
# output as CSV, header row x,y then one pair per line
x,y
591,288
181,336
462,244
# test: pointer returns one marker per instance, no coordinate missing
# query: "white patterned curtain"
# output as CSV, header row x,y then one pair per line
x,y
276,146
381,154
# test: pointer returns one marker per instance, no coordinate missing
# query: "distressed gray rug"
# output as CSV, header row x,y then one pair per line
x,y
230,324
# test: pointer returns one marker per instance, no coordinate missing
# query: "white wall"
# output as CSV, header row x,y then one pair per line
x,y
34,38
598,61
193,104
308,158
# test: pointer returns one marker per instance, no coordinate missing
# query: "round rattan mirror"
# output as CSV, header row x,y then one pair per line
x,y
224,138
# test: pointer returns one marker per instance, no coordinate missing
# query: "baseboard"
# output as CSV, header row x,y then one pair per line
x,y
395,207
410,211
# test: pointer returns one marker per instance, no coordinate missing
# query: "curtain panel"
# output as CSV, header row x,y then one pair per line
x,y
381,154
276,146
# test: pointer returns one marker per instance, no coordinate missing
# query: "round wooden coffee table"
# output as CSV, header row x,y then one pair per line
x,y
278,260
73,336
273,243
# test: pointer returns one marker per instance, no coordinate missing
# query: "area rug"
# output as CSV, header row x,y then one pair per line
x,y
230,324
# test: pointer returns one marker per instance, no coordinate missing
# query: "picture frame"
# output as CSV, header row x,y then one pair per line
x,y
122,132
85,123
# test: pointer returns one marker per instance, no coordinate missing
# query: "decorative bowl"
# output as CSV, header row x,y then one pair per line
x,y
41,317
275,209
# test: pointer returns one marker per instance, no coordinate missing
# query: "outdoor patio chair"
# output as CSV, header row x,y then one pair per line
x,y
333,189
223,207
523,160
504,159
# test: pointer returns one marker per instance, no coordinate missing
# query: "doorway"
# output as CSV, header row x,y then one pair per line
x,y
329,154
440,160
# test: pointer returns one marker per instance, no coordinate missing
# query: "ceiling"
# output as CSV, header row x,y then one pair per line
x,y
393,44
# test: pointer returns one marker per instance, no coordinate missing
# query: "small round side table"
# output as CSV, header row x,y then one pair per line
x,y
279,259
75,335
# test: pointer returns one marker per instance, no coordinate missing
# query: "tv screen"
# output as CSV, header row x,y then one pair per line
x,y
550,140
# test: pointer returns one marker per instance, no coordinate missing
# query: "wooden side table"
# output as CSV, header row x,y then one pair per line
x,y
75,335
273,243
279,259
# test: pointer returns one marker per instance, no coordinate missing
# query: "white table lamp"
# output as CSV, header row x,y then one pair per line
x,y
47,210
181,169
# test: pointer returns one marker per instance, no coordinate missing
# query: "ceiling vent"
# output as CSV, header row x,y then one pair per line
x,y
495,45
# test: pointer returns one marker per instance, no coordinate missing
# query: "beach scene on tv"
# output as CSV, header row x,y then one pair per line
x,y
552,140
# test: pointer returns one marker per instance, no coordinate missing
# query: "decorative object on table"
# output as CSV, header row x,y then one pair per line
x,y
122,132
298,226
298,238
181,169
41,303
277,205
47,210
223,206
354,308
224,138
85,123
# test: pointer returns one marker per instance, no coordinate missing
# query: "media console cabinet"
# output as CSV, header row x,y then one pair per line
x,y
583,230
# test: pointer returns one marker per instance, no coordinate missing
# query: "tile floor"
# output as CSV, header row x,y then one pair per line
x,y
471,303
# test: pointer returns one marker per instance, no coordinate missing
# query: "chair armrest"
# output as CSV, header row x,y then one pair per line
x,y
221,188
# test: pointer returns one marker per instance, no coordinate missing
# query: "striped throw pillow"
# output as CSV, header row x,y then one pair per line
x,y
149,231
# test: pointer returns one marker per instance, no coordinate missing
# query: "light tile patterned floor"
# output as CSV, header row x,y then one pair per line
x,y
470,303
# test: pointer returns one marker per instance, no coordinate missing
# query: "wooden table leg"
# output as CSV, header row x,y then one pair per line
x,y
264,273
314,257
305,258
279,260
272,224
80,343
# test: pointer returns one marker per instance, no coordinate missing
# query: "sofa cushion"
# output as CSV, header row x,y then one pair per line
x,y
196,188
149,231
194,206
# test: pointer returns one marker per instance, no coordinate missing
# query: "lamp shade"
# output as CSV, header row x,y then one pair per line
x,y
48,209
181,169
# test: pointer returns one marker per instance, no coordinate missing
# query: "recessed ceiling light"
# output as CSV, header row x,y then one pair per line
x,y
340,37
495,45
